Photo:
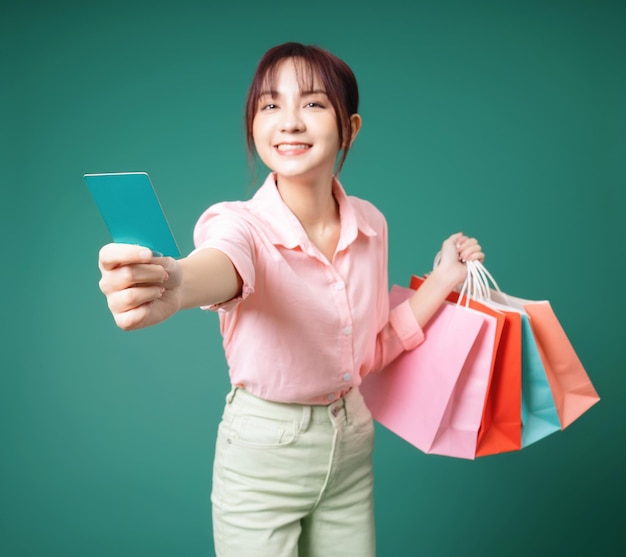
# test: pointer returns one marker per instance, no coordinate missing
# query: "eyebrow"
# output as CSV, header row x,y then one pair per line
x,y
274,93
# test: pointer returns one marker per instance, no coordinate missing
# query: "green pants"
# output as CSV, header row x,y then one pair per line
x,y
292,480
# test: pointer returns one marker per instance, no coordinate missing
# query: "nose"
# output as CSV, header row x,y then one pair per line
x,y
291,121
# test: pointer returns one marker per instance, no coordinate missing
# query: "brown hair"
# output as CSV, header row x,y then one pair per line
x,y
334,74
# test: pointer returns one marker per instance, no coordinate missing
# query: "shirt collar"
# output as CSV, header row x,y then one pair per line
x,y
286,229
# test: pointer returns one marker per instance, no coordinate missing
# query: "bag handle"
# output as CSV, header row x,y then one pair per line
x,y
477,283
471,288
485,277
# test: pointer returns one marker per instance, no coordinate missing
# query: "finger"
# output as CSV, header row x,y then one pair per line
x,y
128,276
457,238
472,252
466,242
450,244
478,257
133,319
112,256
133,298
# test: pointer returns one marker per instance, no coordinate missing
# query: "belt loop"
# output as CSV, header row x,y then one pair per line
x,y
306,417
347,407
231,396
336,408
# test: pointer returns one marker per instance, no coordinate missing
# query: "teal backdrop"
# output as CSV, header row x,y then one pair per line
x,y
504,119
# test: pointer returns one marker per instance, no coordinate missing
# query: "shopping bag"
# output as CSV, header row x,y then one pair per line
x,y
539,413
433,396
571,386
500,427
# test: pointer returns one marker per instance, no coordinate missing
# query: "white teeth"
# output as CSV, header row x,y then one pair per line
x,y
291,147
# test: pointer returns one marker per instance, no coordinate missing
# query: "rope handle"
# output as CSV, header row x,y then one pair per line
x,y
477,284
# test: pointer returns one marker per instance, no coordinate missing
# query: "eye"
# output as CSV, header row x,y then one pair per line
x,y
314,104
268,106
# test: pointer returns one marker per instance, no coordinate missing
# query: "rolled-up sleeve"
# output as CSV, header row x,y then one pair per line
x,y
402,332
221,227
402,320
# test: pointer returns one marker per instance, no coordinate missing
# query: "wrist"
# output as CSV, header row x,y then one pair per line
x,y
428,298
447,278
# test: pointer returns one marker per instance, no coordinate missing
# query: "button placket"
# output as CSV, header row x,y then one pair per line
x,y
340,294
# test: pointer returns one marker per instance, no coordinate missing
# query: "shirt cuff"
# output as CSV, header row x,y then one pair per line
x,y
246,289
403,321
231,304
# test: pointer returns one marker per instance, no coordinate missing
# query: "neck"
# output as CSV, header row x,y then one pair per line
x,y
311,202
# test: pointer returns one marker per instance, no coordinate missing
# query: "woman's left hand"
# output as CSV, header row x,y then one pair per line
x,y
446,276
455,251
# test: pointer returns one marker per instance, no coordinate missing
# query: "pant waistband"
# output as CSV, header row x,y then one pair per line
x,y
293,411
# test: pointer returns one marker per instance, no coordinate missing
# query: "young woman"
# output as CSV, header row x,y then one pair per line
x,y
298,275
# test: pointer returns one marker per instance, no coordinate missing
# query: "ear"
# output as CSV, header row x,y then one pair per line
x,y
355,124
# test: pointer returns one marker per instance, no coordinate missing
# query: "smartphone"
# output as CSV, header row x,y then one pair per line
x,y
131,210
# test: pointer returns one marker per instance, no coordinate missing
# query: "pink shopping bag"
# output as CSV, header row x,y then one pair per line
x,y
501,425
433,396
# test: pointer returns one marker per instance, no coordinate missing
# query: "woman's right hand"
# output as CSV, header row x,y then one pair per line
x,y
141,289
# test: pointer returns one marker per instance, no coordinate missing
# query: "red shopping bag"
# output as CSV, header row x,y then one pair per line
x,y
433,396
501,423
501,430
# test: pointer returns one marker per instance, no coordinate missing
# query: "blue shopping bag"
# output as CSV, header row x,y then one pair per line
x,y
539,414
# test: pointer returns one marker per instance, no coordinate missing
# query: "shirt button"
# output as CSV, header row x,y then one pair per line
x,y
339,286
347,377
347,330
331,396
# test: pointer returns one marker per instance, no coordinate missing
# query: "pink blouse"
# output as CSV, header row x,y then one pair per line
x,y
305,330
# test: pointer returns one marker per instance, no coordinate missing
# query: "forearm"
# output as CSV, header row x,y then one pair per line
x,y
208,277
432,293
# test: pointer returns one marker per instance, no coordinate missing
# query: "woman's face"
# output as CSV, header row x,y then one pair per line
x,y
295,131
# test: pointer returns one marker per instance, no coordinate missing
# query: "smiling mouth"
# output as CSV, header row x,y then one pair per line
x,y
293,146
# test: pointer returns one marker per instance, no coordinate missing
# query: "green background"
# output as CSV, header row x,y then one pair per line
x,y
504,119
